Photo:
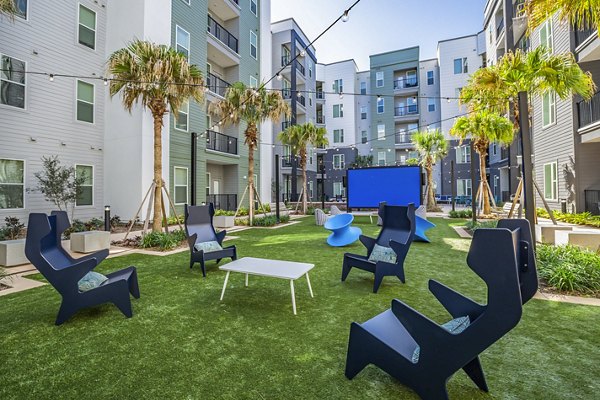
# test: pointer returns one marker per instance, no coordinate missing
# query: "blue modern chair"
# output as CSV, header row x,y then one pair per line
x,y
342,234
44,250
397,232
424,355
199,229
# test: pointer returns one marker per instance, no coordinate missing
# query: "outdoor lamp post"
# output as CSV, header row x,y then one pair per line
x,y
107,218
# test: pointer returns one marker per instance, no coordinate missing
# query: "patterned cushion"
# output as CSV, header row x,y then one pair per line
x,y
382,253
455,326
90,281
208,247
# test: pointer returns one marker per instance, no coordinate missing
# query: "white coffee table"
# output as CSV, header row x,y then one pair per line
x,y
272,268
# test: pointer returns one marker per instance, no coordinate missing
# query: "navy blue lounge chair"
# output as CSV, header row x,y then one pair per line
x,y
44,250
423,355
397,232
199,229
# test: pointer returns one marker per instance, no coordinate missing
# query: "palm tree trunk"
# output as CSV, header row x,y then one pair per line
x,y
158,121
305,186
484,184
251,134
431,206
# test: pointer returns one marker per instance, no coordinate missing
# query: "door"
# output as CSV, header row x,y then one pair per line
x,y
411,78
216,187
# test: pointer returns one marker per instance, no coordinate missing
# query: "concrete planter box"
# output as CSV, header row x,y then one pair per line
x,y
224,221
547,233
88,242
12,253
588,239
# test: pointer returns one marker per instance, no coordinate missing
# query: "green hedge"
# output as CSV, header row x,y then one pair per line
x,y
569,268
270,220
468,213
585,218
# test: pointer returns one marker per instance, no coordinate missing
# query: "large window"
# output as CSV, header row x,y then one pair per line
x,y
12,184
181,185
253,45
363,112
21,6
364,138
254,7
463,154
363,88
338,136
461,66
546,35
339,161
380,105
431,105
338,111
549,108
550,181
339,189
463,187
85,102
338,86
85,190
87,27
430,78
379,81
182,41
253,82
12,81
183,116
381,158
381,132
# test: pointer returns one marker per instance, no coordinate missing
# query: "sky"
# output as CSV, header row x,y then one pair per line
x,y
378,26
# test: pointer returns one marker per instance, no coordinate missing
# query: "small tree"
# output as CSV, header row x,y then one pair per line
x,y
363,161
432,147
59,184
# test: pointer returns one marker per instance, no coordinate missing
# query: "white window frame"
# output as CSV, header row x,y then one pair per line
x,y
77,102
380,105
178,29
79,5
338,86
17,184
363,88
363,112
255,12
187,118
430,103
551,98
310,185
16,83
364,137
310,67
339,189
432,78
381,157
377,79
340,108
464,65
548,28
26,18
340,133
253,82
187,185
463,154
255,44
553,180
381,132
339,161
92,185
467,187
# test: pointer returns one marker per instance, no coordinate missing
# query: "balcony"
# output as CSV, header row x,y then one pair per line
x,y
285,125
224,9
285,60
587,44
286,94
519,19
588,113
320,95
499,29
403,138
406,83
227,202
300,68
406,111
222,143
216,85
223,36
302,100
320,119
289,161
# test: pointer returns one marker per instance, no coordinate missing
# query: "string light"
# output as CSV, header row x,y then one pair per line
x,y
279,77
105,82
51,78
346,16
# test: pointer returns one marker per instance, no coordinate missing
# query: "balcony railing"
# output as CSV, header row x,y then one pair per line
x,y
216,84
406,110
286,93
403,138
320,119
519,9
220,142
300,67
500,28
285,125
583,33
320,95
285,60
589,111
222,34
406,82
289,161
592,201
301,100
227,202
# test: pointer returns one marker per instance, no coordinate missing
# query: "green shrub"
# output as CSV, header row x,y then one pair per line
x,y
467,213
162,240
569,268
13,229
481,224
94,224
224,213
585,218
270,220
174,220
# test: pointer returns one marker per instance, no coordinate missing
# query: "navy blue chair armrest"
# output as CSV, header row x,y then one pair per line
x,y
422,329
455,303
99,256
401,249
368,242
221,236
192,241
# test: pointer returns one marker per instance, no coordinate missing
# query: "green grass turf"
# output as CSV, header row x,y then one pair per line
x,y
182,343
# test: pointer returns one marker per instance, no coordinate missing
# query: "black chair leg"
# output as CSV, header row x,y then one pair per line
x,y
65,312
203,268
346,267
378,279
475,372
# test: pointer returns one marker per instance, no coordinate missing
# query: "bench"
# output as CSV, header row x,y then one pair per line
x,y
89,242
506,209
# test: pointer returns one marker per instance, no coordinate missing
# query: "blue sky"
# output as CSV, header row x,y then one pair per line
x,y
377,26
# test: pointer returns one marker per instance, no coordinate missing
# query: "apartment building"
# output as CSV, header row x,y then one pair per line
x,y
297,82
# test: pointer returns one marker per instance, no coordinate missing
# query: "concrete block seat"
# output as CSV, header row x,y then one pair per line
x,y
12,253
546,233
89,242
342,233
584,238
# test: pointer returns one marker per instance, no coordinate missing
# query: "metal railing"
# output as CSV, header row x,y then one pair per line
x,y
285,60
302,100
320,119
289,161
300,67
500,28
403,138
406,82
220,142
519,9
583,33
227,202
406,110
224,36
286,93
589,111
320,95
216,84
285,125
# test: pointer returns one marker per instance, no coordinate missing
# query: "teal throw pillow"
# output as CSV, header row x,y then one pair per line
x,y
455,326
382,253
90,281
208,247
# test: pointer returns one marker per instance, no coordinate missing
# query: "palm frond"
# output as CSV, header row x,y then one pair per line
x,y
579,13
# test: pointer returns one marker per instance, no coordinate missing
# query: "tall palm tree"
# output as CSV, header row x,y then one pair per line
x,y
432,147
8,8
580,13
159,78
253,106
299,137
484,127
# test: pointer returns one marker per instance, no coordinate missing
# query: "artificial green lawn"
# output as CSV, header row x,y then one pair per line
x,y
182,343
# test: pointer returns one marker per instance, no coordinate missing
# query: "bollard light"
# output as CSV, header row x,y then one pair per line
x,y
107,218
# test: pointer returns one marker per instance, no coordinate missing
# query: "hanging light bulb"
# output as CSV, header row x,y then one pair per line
x,y
371,149
341,95
105,82
51,78
346,16
302,53
389,150
273,146
279,77
448,99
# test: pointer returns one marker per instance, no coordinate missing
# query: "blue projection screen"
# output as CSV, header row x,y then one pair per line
x,y
368,187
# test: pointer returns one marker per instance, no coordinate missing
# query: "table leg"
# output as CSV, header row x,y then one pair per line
x,y
293,296
225,285
246,280
309,287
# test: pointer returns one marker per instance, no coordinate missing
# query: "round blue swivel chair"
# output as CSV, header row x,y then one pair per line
x,y
342,234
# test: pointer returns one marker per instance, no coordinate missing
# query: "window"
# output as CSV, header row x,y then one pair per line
x,y
381,158
253,82
463,187
364,138
550,181
461,66
494,147
12,184
310,189
310,68
463,154
310,97
338,86
457,92
339,189
338,136
181,185
87,27
430,79
339,161
548,109
379,82
363,88
12,81
431,105
254,7
381,132
21,6
182,41
363,112
182,119
85,190
380,105
546,35
85,102
338,111
253,45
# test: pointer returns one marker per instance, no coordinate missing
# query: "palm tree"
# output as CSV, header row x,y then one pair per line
x,y
159,78
432,147
299,137
8,8
363,161
484,127
253,106
580,13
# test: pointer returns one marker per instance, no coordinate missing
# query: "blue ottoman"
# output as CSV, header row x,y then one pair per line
x,y
342,234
